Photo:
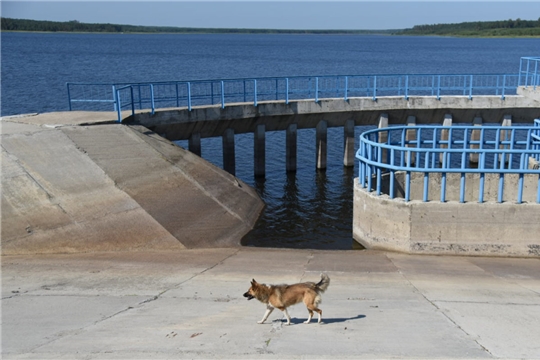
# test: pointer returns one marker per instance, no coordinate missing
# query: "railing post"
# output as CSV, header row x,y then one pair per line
x,y
132,100
535,78
439,88
317,89
503,86
470,87
69,96
117,104
254,92
189,95
527,75
115,100
287,91
346,86
375,88
222,95
519,74
407,87
177,96
152,98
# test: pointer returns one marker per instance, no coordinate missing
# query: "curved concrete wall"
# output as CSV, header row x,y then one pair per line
x,y
450,228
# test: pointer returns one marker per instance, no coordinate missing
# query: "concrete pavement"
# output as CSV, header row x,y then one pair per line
x,y
189,304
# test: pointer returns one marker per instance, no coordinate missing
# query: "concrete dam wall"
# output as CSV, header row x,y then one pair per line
x,y
80,182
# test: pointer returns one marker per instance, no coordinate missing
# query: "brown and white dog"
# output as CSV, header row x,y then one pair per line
x,y
283,296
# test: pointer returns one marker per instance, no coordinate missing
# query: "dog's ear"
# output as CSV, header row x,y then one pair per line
x,y
253,282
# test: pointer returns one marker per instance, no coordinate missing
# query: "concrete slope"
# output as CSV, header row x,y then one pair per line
x,y
104,188
199,204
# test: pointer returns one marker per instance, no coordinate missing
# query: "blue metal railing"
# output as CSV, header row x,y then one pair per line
x,y
175,94
500,150
529,72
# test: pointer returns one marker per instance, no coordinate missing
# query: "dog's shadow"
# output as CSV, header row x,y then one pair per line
x,y
329,320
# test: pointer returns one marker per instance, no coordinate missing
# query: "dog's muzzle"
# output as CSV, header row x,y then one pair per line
x,y
248,296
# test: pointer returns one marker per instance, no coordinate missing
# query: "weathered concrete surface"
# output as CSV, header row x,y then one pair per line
x,y
208,121
189,304
530,91
450,228
72,188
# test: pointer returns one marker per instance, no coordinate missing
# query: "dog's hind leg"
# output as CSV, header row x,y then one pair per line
x,y
269,309
311,309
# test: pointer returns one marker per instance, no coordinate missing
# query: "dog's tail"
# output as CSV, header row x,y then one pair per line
x,y
323,284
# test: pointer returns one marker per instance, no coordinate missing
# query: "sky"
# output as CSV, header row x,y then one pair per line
x,y
257,14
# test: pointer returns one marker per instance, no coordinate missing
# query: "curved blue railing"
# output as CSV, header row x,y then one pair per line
x,y
499,149
187,94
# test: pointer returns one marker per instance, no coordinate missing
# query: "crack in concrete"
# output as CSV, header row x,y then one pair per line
x,y
64,334
309,258
440,310
484,303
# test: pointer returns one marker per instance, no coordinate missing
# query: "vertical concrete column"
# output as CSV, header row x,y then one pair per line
x,y
259,151
505,135
348,143
410,135
444,134
383,136
290,151
321,144
475,136
194,143
229,163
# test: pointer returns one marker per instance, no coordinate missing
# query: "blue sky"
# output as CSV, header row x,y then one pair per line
x,y
301,14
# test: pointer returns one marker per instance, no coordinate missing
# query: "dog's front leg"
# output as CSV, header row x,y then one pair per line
x,y
269,309
287,316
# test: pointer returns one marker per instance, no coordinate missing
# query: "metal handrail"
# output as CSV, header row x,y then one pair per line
x,y
500,150
254,90
529,72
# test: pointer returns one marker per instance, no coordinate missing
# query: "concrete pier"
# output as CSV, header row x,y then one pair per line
x,y
447,121
259,146
383,136
411,136
229,159
194,144
348,143
321,145
475,136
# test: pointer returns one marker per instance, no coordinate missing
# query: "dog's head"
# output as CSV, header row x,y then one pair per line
x,y
252,292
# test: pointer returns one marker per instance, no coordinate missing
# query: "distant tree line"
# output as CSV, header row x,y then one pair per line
x,y
509,27
518,27
9,24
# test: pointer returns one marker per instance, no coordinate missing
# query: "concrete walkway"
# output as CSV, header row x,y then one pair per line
x,y
189,304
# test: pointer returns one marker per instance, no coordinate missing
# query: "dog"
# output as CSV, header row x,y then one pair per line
x,y
283,296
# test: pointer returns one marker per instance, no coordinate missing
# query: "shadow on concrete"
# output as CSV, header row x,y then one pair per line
x,y
327,320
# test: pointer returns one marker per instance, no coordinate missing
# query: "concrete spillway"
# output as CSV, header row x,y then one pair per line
x,y
67,187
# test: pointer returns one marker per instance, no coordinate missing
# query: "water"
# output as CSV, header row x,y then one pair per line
x,y
308,209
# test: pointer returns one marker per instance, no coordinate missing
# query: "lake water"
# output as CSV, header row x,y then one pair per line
x,y
308,209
